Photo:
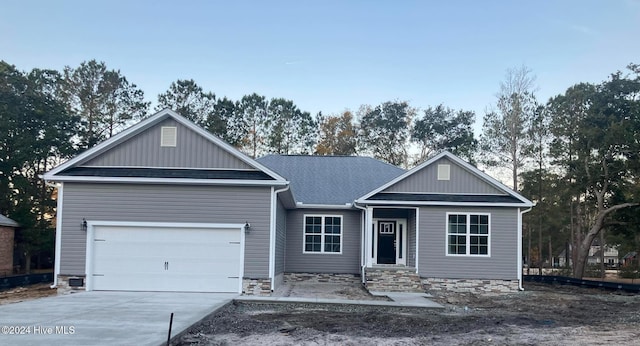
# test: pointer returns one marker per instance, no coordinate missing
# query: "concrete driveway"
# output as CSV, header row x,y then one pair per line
x,y
105,318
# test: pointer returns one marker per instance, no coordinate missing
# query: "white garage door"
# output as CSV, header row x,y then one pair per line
x,y
166,259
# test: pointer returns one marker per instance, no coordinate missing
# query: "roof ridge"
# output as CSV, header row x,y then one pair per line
x,y
332,156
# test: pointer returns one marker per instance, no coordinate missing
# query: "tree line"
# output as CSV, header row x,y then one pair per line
x,y
576,155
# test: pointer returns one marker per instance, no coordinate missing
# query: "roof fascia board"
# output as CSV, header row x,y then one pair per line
x,y
444,193
436,203
324,206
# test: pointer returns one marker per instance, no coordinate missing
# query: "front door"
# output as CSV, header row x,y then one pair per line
x,y
386,242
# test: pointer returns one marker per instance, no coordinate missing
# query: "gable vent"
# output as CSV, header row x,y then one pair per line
x,y
444,172
168,136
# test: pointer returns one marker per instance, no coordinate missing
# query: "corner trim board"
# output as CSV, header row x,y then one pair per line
x,y
58,245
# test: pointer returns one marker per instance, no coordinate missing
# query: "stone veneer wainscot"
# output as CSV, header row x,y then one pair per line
x,y
469,285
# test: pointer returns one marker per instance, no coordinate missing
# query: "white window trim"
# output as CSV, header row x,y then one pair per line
x,y
468,235
322,234
163,138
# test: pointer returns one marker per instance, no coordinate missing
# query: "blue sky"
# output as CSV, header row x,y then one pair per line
x,y
331,55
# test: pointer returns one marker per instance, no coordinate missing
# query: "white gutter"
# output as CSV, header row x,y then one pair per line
x,y
272,235
459,204
301,205
363,248
58,244
520,213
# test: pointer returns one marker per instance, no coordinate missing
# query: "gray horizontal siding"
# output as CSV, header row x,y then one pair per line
x,y
426,180
347,263
281,230
411,235
165,203
191,151
502,264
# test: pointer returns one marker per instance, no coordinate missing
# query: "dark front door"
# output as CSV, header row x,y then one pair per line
x,y
386,242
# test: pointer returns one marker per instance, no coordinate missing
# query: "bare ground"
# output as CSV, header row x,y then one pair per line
x,y
19,294
307,289
542,315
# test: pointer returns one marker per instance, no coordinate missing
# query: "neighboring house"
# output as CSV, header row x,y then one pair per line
x,y
561,260
629,258
7,235
167,206
611,255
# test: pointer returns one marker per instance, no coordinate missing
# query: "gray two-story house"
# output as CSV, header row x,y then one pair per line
x,y
167,206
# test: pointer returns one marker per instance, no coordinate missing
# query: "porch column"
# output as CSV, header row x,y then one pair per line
x,y
417,235
369,230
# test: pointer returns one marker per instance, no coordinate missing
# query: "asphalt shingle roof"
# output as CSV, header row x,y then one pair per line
x,y
5,221
333,180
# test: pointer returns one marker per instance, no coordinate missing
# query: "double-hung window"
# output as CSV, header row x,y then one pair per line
x,y
322,234
468,234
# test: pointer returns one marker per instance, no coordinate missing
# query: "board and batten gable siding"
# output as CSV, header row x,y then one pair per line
x,y
501,265
281,230
191,151
166,203
348,262
426,181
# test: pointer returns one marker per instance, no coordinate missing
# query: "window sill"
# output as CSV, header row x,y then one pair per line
x,y
321,253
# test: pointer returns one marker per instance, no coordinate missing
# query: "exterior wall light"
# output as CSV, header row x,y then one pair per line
x,y
83,225
247,227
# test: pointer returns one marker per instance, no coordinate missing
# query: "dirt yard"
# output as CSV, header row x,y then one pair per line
x,y
325,290
19,294
542,315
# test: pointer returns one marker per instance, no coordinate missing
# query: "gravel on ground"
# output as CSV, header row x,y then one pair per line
x,y
19,294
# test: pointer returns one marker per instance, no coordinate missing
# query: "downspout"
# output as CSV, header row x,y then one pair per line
x,y
58,243
520,213
363,244
272,236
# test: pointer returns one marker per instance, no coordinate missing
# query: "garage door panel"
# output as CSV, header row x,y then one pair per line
x,y
166,259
